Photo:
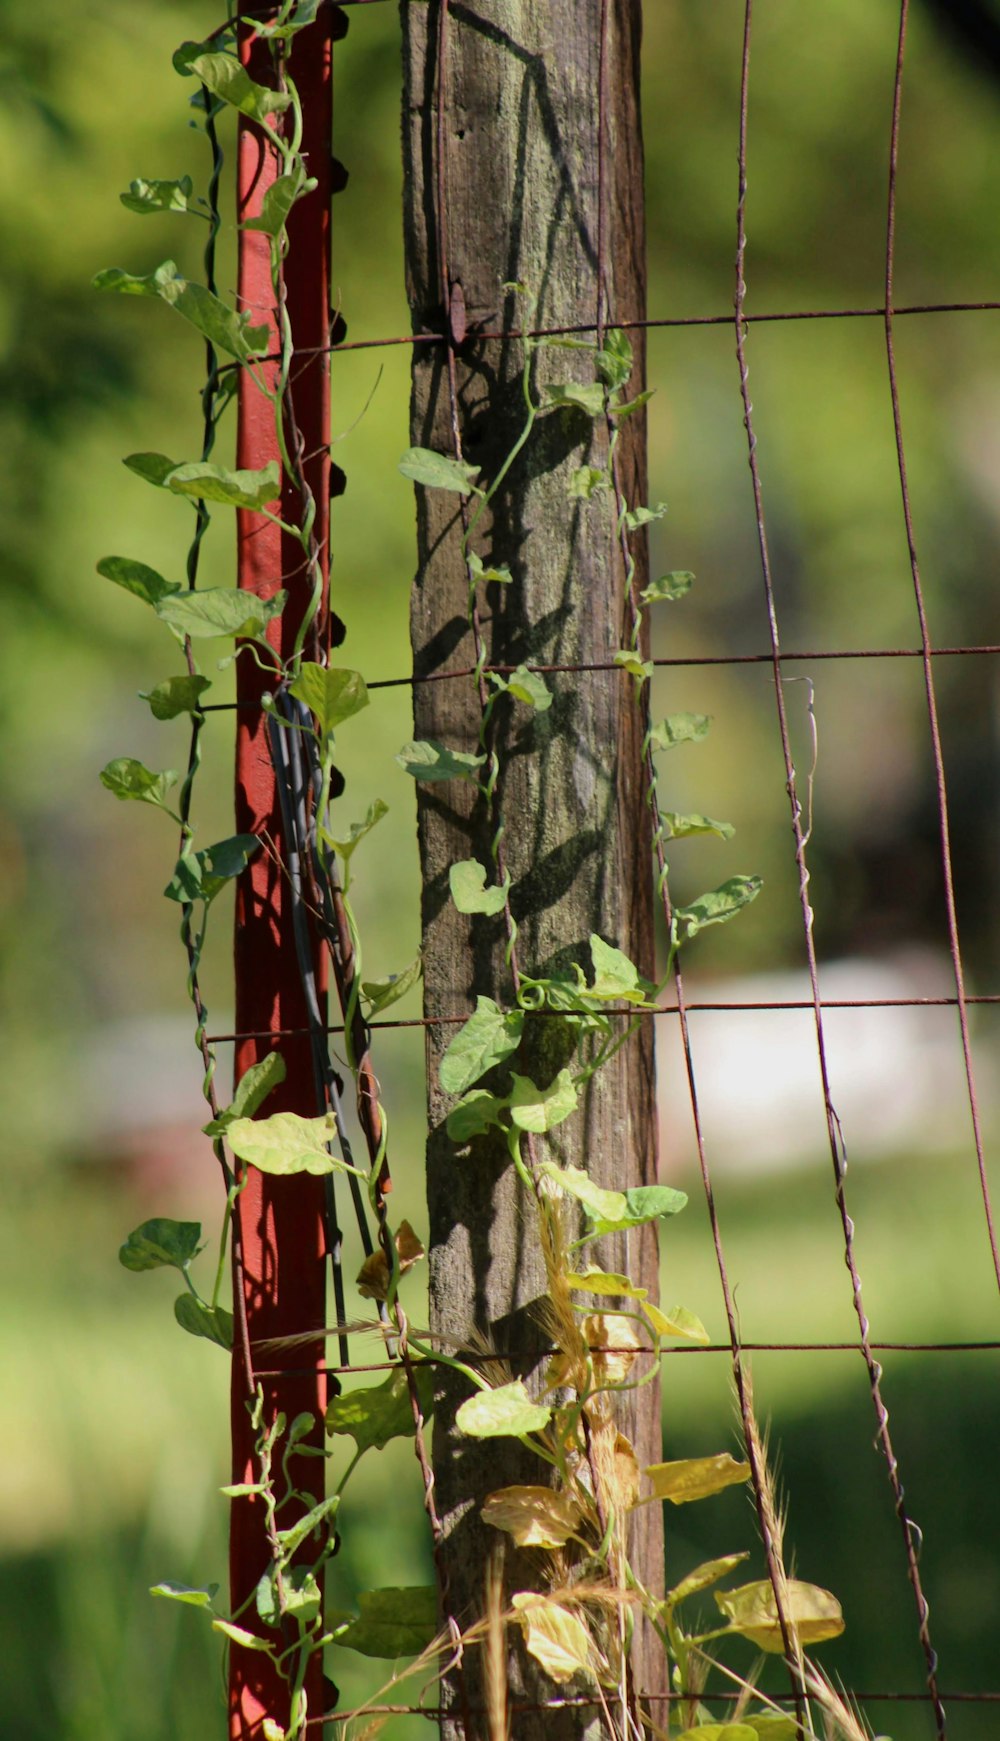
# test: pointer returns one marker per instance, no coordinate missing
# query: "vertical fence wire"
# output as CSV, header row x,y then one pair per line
x,y
927,654
838,1148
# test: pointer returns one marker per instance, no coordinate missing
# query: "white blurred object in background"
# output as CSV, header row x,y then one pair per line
x,y
897,1077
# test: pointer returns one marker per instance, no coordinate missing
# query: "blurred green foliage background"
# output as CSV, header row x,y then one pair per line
x,y
117,1424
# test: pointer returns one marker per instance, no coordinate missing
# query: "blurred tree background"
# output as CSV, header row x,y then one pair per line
x,y
117,1424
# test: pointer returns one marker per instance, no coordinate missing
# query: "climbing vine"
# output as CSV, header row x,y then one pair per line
x,y
578,1618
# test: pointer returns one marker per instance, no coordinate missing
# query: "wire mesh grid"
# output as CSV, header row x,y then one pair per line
x,y
776,658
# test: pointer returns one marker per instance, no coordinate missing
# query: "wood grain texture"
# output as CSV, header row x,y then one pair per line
x,y
521,167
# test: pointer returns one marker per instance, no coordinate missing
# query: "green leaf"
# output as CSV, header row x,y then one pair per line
x,y
597,1201
623,409
241,1489
577,395
559,341
529,687
505,1412
196,1597
487,1038
252,1090
679,728
487,572
224,76
292,1538
200,1320
137,579
206,482
642,1203
715,907
586,482
752,1610
381,1412
175,695
616,979
426,759
278,201
614,359
155,468
669,586
631,662
357,831
161,1242
576,998
285,1144
158,196
696,1478
127,778
475,1114
676,1321
393,1622
199,876
240,1635
702,1578
636,517
220,610
331,695
305,13
303,1598
438,471
467,881
223,327
681,827
541,1109
383,993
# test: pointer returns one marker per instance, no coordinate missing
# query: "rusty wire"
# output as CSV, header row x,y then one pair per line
x,y
692,1006
663,322
802,825
751,1440
937,753
581,1702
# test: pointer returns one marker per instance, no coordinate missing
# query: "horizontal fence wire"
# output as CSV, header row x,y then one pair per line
x,y
534,1355
695,1006
652,324
667,662
581,1701
521,1707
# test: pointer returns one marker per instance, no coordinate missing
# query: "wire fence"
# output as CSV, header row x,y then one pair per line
x,y
775,657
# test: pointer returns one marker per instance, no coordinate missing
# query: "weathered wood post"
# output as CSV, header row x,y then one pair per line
x,y
504,181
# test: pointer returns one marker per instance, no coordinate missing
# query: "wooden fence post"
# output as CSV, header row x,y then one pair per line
x,y
507,178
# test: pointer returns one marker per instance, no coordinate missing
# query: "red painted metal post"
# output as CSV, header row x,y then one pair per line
x,y
281,1220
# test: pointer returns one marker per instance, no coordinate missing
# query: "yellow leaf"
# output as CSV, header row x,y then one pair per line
x,y
702,1578
676,1321
536,1517
695,1477
374,1274
753,1611
553,1636
614,1340
598,1281
720,1732
626,1474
